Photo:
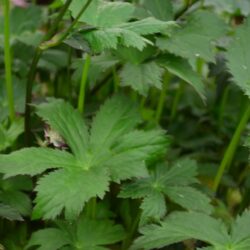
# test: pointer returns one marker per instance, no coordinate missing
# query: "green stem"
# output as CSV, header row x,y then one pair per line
x,y
229,154
223,106
115,79
161,101
7,60
127,241
63,36
31,75
91,208
176,100
85,72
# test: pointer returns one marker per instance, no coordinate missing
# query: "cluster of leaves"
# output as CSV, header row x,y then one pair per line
x,y
108,177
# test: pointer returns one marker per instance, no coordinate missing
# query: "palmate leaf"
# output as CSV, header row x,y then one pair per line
x,y
195,37
173,183
96,159
180,226
181,68
142,76
90,234
113,29
238,57
127,34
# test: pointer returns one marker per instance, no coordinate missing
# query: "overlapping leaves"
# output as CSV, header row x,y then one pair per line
x,y
88,234
181,226
112,28
112,150
173,183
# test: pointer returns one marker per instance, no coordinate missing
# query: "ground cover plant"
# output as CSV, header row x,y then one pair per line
x,y
124,124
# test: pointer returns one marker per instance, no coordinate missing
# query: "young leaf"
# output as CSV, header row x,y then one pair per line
x,y
142,76
238,55
195,37
167,182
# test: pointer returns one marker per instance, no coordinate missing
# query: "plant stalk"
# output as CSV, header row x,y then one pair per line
x,y
7,61
38,53
229,154
85,72
161,101
176,100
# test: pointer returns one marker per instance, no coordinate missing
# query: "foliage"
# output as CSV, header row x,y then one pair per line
x,y
124,124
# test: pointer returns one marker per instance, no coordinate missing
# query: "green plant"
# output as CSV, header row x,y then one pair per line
x,y
124,124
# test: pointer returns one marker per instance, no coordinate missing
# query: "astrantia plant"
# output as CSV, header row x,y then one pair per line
x,y
111,150
92,92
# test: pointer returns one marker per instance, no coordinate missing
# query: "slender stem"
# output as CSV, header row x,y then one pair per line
x,y
91,208
229,154
85,72
185,8
161,101
176,100
7,60
31,77
127,241
55,25
38,53
115,79
222,106
64,35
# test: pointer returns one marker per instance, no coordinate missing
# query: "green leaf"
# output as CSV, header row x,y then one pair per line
x,y
127,34
195,38
69,189
185,197
83,234
87,171
148,26
74,131
238,55
181,68
153,206
33,161
181,226
162,10
171,182
94,233
115,118
9,213
103,13
49,238
142,76
9,136
240,228
133,150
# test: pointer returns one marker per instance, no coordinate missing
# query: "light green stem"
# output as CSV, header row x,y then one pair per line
x,y
223,106
229,154
176,100
7,60
115,79
162,98
85,72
